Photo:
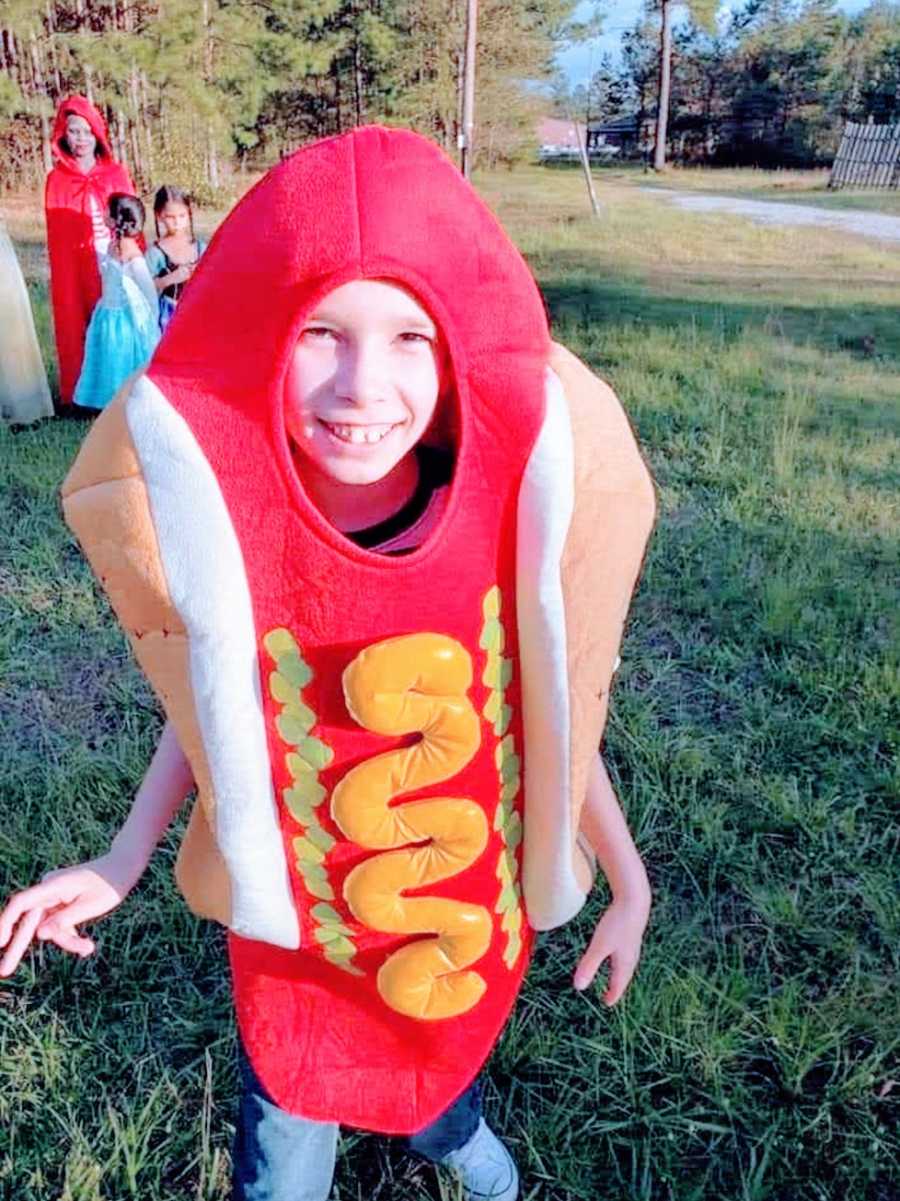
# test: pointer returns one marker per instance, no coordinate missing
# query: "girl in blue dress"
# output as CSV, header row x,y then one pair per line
x,y
173,256
124,329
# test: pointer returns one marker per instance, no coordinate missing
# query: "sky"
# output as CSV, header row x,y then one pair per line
x,y
621,15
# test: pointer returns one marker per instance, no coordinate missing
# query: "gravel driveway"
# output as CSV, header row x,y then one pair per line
x,y
773,212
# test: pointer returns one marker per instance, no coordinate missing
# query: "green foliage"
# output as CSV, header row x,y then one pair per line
x,y
771,84
11,99
189,85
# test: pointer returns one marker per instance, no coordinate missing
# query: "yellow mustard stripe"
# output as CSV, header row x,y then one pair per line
x,y
507,822
308,756
403,685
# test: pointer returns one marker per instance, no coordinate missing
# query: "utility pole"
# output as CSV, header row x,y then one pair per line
x,y
665,82
466,137
586,167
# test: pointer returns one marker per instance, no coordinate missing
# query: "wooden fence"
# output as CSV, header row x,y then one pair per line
x,y
869,157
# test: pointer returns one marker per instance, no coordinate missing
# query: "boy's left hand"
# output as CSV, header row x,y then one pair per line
x,y
617,937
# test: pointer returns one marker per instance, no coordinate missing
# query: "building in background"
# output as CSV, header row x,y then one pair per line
x,y
557,140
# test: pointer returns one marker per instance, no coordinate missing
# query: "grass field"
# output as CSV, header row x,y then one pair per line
x,y
753,736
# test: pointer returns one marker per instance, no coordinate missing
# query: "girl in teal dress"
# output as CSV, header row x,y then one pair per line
x,y
173,256
123,332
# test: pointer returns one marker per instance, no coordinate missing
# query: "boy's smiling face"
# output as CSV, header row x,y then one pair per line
x,y
363,382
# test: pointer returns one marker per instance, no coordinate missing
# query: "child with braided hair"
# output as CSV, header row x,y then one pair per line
x,y
123,331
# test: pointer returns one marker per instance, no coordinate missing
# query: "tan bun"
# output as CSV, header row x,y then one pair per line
x,y
106,506
615,507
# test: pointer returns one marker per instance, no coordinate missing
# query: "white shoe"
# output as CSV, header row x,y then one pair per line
x,y
485,1167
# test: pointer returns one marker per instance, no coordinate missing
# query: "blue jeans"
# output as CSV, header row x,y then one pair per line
x,y
281,1157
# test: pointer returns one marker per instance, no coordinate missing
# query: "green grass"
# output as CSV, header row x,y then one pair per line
x,y
753,737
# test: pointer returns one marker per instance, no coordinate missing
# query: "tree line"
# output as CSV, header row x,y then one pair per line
x,y
770,83
190,85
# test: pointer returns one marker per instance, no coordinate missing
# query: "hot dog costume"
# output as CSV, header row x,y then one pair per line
x,y
390,753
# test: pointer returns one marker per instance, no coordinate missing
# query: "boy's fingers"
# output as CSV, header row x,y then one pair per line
x,y
69,916
15,907
620,973
21,939
590,963
17,904
40,896
67,939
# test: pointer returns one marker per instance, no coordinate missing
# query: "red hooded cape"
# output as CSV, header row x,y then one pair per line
x,y
74,275
383,204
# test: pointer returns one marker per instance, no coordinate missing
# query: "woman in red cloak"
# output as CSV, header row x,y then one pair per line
x,y
75,197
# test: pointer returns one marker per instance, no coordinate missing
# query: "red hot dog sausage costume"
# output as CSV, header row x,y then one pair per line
x,y
390,753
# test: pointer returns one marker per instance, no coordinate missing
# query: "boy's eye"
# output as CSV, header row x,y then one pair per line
x,y
318,332
414,337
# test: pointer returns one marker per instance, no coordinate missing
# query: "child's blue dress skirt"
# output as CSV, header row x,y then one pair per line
x,y
121,337
166,311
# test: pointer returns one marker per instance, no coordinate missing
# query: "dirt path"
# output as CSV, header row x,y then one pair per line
x,y
773,212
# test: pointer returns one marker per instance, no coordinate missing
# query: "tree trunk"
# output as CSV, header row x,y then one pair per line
x,y
212,171
137,160
460,89
33,63
144,110
39,84
468,128
665,86
212,156
337,97
140,165
122,139
45,144
51,42
358,93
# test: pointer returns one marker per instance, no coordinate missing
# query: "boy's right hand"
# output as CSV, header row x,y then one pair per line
x,y
52,909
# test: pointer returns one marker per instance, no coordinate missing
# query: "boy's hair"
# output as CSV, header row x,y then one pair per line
x,y
170,194
126,213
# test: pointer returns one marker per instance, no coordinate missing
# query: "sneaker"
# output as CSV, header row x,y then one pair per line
x,y
485,1167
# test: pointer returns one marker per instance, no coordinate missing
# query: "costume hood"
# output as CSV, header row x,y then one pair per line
x,y
78,106
375,204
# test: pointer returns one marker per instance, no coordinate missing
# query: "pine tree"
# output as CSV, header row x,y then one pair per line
x,y
703,13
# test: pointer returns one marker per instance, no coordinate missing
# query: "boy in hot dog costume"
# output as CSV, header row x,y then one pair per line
x,y
391,752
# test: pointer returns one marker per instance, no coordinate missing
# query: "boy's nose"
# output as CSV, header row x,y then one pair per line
x,y
360,377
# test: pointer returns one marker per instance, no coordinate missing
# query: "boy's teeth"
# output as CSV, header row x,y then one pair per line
x,y
359,434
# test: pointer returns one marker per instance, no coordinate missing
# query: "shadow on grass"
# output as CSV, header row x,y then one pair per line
x,y
868,330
